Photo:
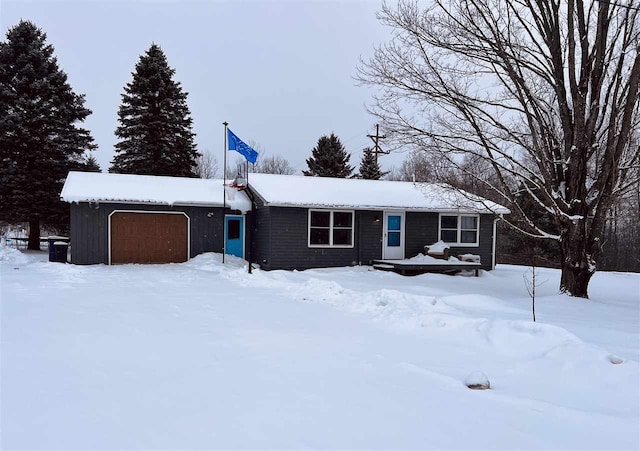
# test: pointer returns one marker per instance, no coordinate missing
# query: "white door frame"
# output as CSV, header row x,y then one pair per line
x,y
387,253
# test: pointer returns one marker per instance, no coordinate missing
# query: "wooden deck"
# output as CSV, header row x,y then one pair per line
x,y
410,268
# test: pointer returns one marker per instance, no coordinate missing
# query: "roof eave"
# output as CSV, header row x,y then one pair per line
x,y
387,207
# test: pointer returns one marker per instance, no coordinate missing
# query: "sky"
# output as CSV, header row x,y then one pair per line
x,y
280,72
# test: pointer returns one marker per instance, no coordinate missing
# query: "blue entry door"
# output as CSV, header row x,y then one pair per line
x,y
234,235
393,236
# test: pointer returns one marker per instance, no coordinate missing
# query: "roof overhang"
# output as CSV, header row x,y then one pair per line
x,y
461,210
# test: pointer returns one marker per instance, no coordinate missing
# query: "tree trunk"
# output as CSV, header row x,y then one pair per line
x,y
578,254
34,233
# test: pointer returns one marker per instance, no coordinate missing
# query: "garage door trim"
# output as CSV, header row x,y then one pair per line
x,y
151,212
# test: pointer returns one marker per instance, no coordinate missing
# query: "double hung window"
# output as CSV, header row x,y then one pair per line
x,y
329,228
459,229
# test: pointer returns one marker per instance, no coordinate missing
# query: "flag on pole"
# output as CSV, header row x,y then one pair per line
x,y
239,146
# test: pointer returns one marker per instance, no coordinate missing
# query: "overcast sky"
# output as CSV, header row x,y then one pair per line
x,y
280,72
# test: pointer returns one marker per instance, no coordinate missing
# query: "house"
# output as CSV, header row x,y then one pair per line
x,y
310,222
279,221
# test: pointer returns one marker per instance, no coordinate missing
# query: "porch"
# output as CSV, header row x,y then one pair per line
x,y
412,267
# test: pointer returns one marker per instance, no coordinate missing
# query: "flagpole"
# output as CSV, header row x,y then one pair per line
x,y
224,193
249,220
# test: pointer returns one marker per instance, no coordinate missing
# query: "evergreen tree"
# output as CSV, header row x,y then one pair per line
x,y
155,123
39,137
517,248
369,167
89,164
329,159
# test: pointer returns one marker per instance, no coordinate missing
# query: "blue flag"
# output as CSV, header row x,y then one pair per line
x,y
239,146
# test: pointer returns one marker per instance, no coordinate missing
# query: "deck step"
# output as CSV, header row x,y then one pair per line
x,y
383,266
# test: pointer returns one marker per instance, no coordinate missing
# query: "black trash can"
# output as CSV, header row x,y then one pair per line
x,y
58,246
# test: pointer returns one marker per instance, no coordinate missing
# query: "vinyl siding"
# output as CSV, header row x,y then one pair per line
x,y
422,229
287,243
261,244
90,223
279,239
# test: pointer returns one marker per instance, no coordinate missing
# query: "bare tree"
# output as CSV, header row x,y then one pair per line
x,y
621,244
206,165
265,164
416,167
273,165
545,91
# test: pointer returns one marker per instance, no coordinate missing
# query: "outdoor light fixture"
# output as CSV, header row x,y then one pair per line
x,y
376,218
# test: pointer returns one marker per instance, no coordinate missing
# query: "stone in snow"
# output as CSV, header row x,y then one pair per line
x,y
477,381
615,359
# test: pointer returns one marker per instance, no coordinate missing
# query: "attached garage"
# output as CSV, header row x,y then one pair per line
x,y
148,237
124,218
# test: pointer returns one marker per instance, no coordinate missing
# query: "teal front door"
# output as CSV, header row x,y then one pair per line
x,y
234,235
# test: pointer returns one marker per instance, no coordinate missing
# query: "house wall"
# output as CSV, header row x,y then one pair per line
x,y
90,223
261,238
283,236
279,238
422,229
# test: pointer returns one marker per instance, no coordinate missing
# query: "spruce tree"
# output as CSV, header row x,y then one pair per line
x,y
329,159
40,140
89,164
369,167
155,128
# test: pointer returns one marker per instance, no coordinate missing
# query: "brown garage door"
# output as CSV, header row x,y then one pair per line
x,y
148,238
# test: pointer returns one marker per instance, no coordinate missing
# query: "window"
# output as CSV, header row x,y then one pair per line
x,y
233,229
330,228
459,229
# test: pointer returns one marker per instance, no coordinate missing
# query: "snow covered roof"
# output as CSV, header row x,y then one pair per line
x,y
149,189
302,191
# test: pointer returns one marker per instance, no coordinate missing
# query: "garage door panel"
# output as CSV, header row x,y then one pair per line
x,y
148,238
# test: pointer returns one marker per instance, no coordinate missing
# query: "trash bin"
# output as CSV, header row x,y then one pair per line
x,y
58,246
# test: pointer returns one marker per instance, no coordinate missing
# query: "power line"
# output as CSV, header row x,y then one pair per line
x,y
376,141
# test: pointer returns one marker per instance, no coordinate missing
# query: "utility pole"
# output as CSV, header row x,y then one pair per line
x,y
376,141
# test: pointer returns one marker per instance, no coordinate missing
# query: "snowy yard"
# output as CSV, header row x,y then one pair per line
x,y
205,356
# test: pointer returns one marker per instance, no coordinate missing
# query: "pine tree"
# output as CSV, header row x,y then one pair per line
x,y
369,167
329,159
519,248
155,123
89,164
39,137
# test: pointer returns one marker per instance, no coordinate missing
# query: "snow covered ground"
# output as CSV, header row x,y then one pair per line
x,y
205,356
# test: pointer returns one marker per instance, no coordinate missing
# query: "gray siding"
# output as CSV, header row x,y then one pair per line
x,y
90,223
279,235
422,229
285,235
370,235
261,239
281,239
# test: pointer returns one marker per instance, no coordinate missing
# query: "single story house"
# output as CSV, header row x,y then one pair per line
x,y
278,221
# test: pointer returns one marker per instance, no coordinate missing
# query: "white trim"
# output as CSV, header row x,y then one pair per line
x,y
408,208
142,202
153,212
459,229
331,245
403,229
244,232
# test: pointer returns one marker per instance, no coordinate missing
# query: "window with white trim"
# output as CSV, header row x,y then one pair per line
x,y
328,228
460,229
